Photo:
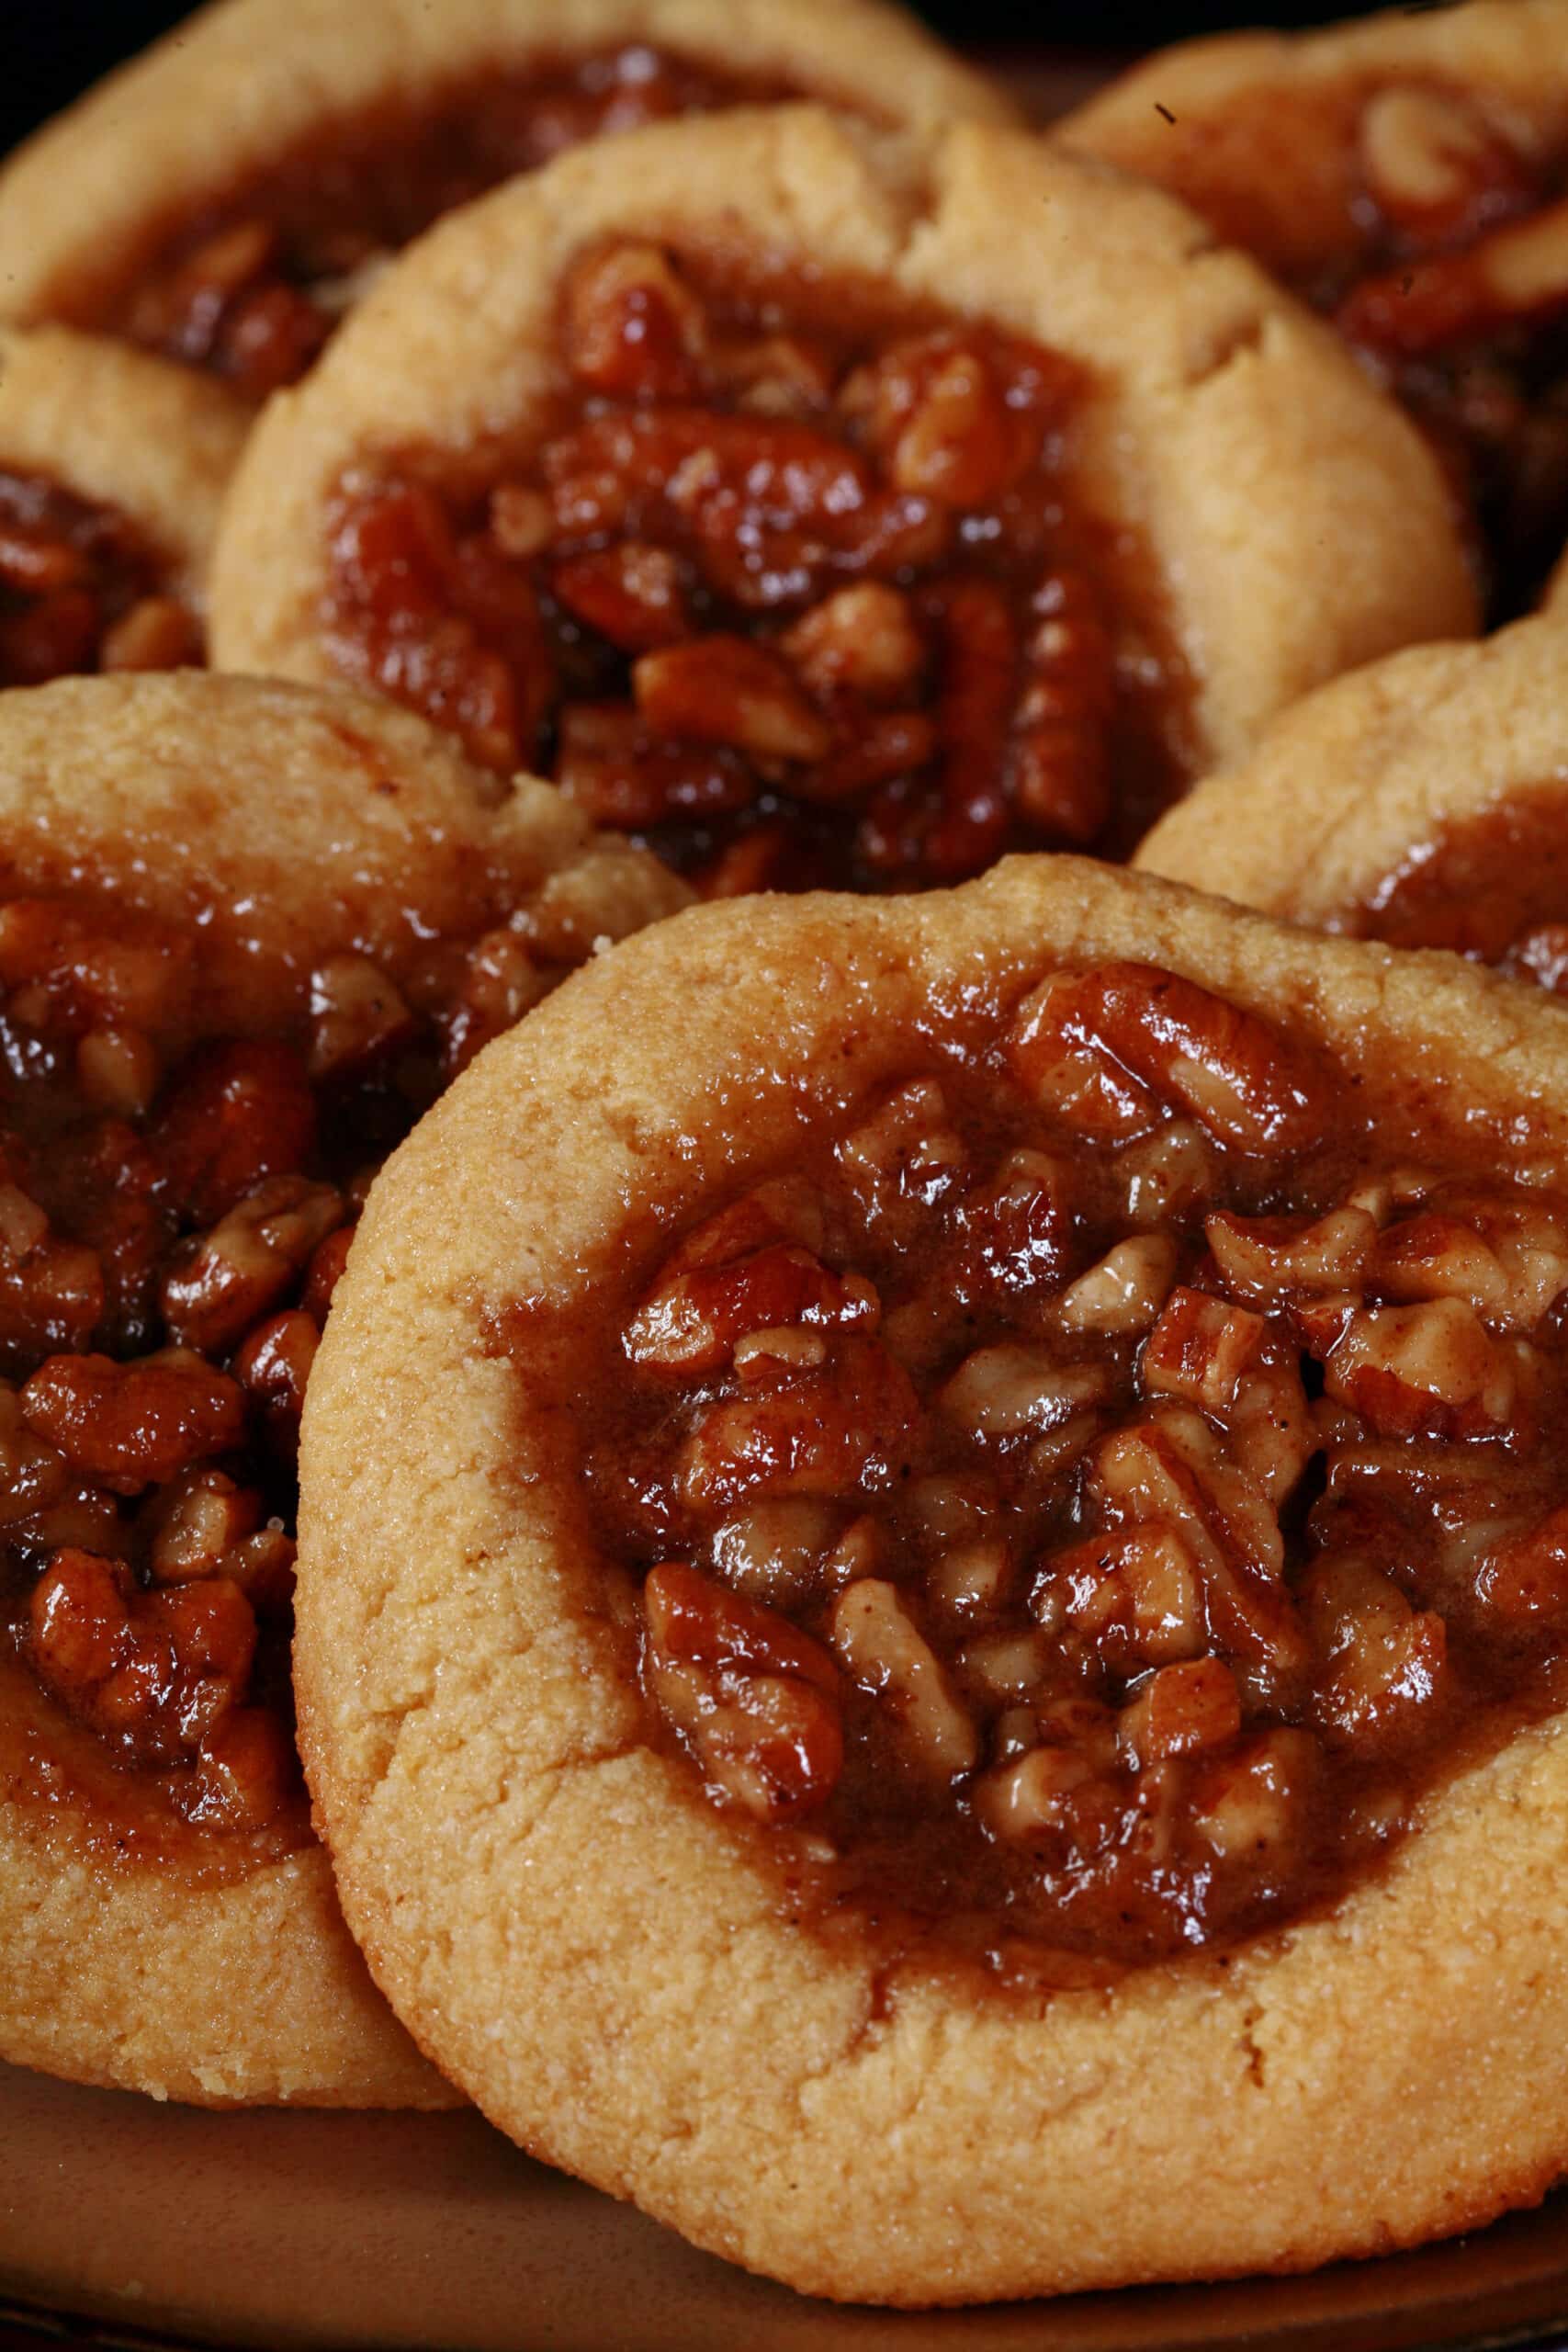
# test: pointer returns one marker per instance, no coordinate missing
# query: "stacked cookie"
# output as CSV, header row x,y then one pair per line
x,y
921,1569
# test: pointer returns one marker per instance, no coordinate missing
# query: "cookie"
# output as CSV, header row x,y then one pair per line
x,y
1404,175
112,467
854,1698
801,527
245,930
1420,801
225,198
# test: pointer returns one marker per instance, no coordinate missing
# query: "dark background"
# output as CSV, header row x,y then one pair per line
x,y
51,50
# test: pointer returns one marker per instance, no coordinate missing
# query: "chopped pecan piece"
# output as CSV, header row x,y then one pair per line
x,y
1060,766
194,1522
828,1431
1252,1807
236,1115
1033,1795
1508,1261
634,329
157,633
757,1699
1134,1592
131,1424
1225,1519
884,1650
1125,1292
951,416
273,1367
52,1293
634,594
999,1391
1384,1657
624,773
1100,1049
224,1280
1022,1224
726,690
862,640
159,1670
905,1157
1527,1576
692,1322
117,1069
1265,1260
776,1552
1428,1370
1200,1348
356,1014
243,1773
1182,1710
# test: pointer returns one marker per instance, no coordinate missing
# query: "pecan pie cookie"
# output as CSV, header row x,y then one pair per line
x,y
934,1584
112,465
1423,801
245,932
225,198
803,526
1408,176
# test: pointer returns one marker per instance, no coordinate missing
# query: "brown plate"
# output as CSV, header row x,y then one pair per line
x,y
391,2230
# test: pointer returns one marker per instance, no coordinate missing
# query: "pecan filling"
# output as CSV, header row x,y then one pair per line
x,y
1458,296
1081,1506
252,290
174,1210
794,603
80,590
1493,887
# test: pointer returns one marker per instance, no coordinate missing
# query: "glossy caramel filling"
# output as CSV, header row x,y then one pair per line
x,y
796,588
1454,288
252,290
1493,887
81,590
1078,1511
174,1210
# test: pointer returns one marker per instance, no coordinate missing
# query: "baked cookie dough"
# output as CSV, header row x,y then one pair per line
x,y
244,929
854,1699
802,527
225,198
1408,175
112,467
1423,800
